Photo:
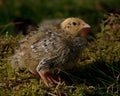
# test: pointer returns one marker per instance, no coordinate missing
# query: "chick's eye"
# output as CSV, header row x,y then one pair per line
x,y
74,23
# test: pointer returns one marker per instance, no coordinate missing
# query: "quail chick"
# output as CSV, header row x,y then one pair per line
x,y
51,49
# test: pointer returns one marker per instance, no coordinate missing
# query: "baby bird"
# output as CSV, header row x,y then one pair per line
x,y
50,49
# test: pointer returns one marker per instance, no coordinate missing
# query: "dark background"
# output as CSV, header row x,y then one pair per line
x,y
92,11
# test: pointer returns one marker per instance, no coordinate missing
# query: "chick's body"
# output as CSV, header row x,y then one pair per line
x,y
47,51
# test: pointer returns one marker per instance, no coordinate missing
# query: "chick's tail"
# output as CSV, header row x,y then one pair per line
x,y
17,62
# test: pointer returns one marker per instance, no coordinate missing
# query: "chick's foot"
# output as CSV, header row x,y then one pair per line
x,y
49,79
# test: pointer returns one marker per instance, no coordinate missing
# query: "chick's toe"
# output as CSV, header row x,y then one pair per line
x,y
49,79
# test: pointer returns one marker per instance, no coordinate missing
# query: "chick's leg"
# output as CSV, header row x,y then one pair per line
x,y
46,70
48,78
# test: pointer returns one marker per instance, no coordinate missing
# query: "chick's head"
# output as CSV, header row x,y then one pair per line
x,y
75,27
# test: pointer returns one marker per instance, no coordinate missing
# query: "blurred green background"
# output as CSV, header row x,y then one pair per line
x,y
37,10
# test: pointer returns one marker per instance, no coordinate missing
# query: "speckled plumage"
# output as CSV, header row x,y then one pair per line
x,y
49,50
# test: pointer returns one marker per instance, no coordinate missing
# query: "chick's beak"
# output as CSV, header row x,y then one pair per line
x,y
85,30
86,25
